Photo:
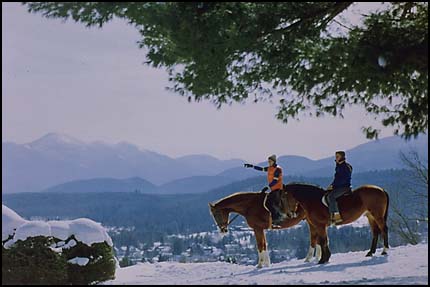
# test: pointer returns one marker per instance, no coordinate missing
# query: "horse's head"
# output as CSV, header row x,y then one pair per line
x,y
220,216
289,203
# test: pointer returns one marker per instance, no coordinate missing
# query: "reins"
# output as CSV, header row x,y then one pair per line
x,y
233,219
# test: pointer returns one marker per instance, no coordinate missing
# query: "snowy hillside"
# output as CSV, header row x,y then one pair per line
x,y
403,265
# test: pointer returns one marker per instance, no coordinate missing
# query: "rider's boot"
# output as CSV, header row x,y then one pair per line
x,y
335,218
278,218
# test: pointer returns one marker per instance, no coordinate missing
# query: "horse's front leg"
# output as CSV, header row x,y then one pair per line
x,y
323,242
313,243
311,251
310,254
318,252
265,253
263,257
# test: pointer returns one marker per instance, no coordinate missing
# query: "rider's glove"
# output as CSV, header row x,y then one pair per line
x,y
248,165
264,189
330,187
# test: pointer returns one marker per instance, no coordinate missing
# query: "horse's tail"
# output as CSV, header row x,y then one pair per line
x,y
386,210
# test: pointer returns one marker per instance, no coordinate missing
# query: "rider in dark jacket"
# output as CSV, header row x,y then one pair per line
x,y
342,177
340,185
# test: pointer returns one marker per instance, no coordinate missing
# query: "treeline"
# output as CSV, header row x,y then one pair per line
x,y
156,216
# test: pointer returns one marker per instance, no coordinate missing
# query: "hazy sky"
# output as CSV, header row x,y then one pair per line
x,y
91,84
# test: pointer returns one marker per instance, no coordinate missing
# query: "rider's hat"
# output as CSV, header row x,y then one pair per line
x,y
272,157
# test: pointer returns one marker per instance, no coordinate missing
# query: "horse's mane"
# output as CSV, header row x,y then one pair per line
x,y
306,191
235,197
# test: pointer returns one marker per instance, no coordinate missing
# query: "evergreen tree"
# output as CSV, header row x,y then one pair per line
x,y
232,51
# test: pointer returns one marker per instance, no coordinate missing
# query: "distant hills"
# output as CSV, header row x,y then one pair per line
x,y
56,159
58,162
193,184
134,184
375,155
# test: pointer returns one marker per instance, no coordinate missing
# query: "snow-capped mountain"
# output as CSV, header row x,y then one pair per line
x,y
54,140
58,158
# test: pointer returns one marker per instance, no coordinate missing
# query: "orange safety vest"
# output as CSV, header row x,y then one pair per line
x,y
271,175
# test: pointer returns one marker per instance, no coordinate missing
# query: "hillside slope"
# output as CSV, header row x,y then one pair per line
x,y
403,265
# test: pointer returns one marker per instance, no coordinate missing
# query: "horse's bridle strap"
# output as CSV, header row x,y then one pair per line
x,y
233,219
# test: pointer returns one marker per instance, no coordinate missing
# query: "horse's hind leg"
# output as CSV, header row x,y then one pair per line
x,y
382,225
385,236
375,233
377,212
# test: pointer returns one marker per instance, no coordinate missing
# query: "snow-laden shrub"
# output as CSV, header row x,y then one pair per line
x,y
90,264
32,262
55,252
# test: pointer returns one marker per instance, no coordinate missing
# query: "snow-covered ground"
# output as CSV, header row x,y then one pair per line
x,y
403,265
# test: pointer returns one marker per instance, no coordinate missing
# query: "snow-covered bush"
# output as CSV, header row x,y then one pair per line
x,y
88,264
54,252
32,262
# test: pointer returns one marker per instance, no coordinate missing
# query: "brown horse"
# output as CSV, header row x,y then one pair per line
x,y
369,199
251,206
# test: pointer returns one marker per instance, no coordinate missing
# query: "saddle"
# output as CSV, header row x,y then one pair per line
x,y
324,198
275,225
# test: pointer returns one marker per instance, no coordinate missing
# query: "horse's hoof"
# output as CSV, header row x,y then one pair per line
x,y
322,261
369,254
384,253
259,266
307,260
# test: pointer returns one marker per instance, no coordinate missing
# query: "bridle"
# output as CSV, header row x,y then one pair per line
x,y
234,217
223,228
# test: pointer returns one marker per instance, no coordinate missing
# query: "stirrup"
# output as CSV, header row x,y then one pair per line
x,y
278,221
334,223
276,226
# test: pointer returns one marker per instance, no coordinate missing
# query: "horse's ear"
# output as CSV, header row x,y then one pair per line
x,y
211,205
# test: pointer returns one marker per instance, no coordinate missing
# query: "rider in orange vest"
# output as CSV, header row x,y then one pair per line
x,y
274,178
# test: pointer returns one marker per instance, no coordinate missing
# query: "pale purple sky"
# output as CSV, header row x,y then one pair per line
x,y
91,84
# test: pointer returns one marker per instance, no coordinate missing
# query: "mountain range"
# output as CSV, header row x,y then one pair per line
x,y
56,159
375,155
57,162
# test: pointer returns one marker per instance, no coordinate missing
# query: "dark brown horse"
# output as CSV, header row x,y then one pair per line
x,y
369,199
251,206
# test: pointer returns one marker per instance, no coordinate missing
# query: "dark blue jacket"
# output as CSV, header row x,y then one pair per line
x,y
342,177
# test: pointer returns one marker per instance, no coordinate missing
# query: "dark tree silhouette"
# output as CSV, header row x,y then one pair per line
x,y
230,52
